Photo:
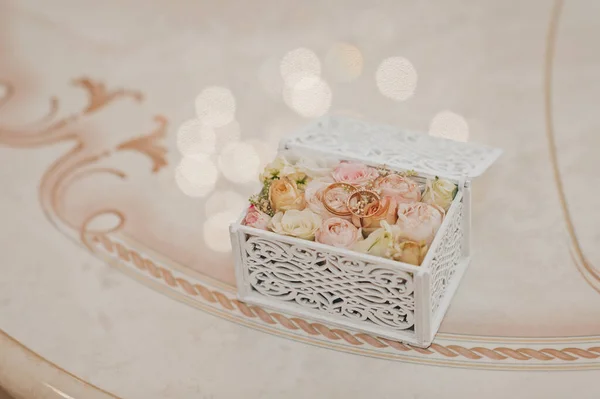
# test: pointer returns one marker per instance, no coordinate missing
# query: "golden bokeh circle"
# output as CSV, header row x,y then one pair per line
x,y
344,62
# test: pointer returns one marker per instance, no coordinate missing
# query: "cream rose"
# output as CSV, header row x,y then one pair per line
x,y
295,168
285,195
354,173
338,233
310,167
440,192
403,189
379,242
302,224
274,168
408,252
256,218
385,211
419,221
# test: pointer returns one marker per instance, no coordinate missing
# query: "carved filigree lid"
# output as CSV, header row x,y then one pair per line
x,y
359,140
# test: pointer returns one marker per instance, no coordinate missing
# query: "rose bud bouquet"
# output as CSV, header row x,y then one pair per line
x,y
351,205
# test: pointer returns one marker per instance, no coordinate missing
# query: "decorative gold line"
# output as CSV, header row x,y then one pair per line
x,y
52,364
96,241
581,261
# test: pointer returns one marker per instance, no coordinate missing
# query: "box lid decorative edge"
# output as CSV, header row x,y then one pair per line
x,y
359,140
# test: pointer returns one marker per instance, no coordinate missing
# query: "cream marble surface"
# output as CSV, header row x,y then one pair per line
x,y
524,294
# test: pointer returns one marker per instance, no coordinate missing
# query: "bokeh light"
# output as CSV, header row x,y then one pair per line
x,y
344,62
225,201
396,78
449,125
215,106
195,138
239,162
216,230
309,97
227,134
298,64
196,175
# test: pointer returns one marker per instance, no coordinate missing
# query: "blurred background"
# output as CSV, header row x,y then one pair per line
x,y
153,119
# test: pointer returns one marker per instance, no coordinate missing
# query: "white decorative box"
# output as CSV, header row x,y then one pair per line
x,y
358,291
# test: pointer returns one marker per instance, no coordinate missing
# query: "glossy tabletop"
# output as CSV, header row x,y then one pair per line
x,y
131,134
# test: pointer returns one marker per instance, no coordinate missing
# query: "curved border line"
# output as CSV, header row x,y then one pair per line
x,y
225,288
514,356
27,351
591,275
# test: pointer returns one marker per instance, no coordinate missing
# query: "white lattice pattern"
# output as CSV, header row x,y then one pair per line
x,y
398,149
447,256
327,281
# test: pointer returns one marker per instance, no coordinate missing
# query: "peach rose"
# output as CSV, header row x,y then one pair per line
x,y
419,221
386,210
403,189
338,233
284,195
256,218
354,173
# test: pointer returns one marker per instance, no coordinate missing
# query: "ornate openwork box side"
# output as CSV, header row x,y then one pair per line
x,y
353,290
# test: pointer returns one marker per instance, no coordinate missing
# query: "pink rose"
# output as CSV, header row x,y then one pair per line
x,y
257,219
376,213
313,195
419,221
402,188
354,173
337,232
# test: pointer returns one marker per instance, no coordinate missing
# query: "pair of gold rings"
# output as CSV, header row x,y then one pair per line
x,y
360,202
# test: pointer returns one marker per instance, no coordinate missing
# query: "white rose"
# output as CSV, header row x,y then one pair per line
x,y
440,192
274,168
301,224
311,167
296,168
379,242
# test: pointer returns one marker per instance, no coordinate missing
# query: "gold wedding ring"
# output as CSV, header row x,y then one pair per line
x,y
346,186
361,200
